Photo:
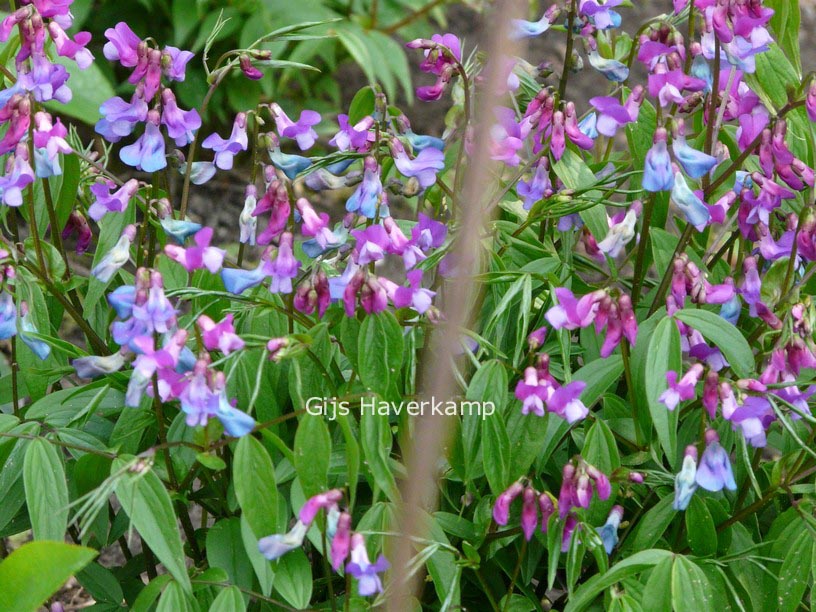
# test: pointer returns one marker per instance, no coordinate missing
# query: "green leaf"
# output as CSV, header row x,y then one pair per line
x,y
228,600
151,592
362,105
262,567
255,488
376,442
663,355
174,599
657,592
145,500
312,453
293,579
380,352
225,550
577,175
702,536
101,584
496,453
794,575
489,384
785,24
589,590
46,490
690,589
652,525
35,571
599,376
68,190
724,336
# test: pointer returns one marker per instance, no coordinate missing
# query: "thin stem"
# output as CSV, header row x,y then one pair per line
x,y
32,214
15,393
185,190
637,283
562,84
685,238
513,578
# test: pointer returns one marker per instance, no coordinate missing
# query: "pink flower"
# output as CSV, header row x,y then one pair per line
x,y
200,256
220,336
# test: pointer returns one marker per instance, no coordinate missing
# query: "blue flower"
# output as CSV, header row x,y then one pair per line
x,y
612,69
714,472
701,70
237,280
695,212
730,311
179,229
8,316
147,153
657,171
275,546
235,422
27,327
684,483
93,366
588,126
521,28
609,531
366,197
420,142
695,163
290,165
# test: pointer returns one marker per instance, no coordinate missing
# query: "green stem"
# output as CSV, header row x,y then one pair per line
x,y
562,84
185,191
513,578
637,283
411,17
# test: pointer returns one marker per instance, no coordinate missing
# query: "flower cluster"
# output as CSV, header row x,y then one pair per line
x,y
345,544
121,117
580,479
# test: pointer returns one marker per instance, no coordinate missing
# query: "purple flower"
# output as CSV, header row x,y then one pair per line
x,y
600,13
539,186
684,482
176,64
321,501
180,124
355,137
714,472
611,114
19,175
620,234
369,193
533,392
611,69
225,150
683,389
508,136
123,45
314,225
46,81
414,296
341,542
157,313
120,117
73,49
301,130
501,509
657,171
8,316
529,513
754,417
371,244
424,166
117,257
284,267
107,200
147,153
571,313
49,142
366,573
202,255
566,403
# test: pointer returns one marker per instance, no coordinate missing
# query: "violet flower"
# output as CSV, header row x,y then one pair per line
x,y
93,366
301,130
714,472
225,150
219,336
8,316
180,124
657,171
538,187
284,267
357,137
369,193
366,573
147,153
414,296
19,175
571,313
693,208
425,166
275,546
521,28
106,200
501,508
371,244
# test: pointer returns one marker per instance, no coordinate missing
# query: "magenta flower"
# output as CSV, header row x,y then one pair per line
x,y
565,402
501,508
371,245
321,501
341,542
77,223
571,313
508,136
414,296
533,392
202,255
276,202
72,49
123,45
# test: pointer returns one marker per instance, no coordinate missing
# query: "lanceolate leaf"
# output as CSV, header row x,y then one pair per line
x,y
722,335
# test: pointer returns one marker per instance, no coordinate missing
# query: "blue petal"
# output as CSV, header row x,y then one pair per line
x,y
235,422
237,281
